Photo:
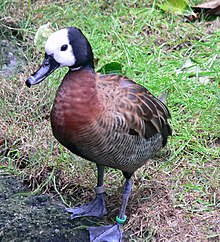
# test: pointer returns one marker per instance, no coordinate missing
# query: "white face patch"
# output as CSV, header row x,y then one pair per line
x,y
58,45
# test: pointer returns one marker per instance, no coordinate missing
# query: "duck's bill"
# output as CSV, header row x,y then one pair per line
x,y
48,66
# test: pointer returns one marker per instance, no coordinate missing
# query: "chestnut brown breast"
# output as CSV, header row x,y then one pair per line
x,y
109,119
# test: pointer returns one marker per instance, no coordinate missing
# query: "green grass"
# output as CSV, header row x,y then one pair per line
x,y
179,189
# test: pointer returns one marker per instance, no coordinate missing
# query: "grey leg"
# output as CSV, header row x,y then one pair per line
x,y
113,233
125,196
96,207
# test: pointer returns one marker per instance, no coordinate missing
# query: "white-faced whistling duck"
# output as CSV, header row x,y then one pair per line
x,y
106,119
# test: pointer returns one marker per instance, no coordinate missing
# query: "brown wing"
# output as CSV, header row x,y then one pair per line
x,y
135,107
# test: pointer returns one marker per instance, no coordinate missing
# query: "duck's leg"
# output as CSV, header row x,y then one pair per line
x,y
113,232
95,208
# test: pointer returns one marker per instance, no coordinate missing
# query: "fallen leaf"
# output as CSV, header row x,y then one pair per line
x,y
179,7
209,4
194,72
111,68
205,10
189,67
42,35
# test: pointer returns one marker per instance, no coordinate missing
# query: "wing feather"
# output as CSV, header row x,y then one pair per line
x,y
141,112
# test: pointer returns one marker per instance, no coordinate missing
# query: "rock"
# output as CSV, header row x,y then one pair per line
x,y
26,217
11,60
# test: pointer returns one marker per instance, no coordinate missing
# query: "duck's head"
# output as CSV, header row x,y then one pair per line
x,y
66,47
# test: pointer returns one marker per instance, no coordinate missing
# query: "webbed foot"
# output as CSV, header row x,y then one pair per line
x,y
95,208
110,233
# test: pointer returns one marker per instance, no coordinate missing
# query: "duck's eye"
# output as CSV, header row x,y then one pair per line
x,y
64,47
